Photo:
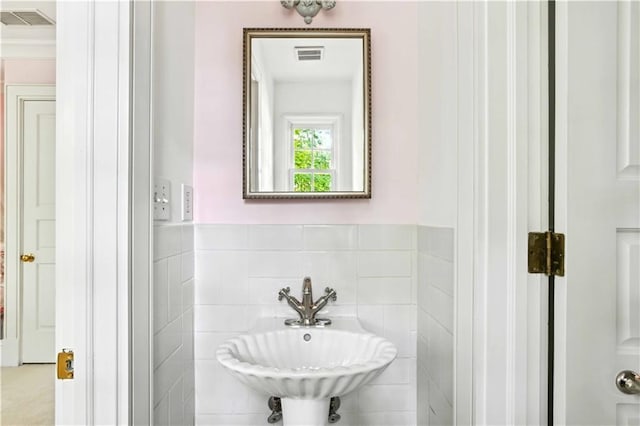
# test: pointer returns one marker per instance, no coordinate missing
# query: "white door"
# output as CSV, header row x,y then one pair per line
x,y
598,326
38,231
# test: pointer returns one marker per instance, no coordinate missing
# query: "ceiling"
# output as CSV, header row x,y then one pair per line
x,y
341,58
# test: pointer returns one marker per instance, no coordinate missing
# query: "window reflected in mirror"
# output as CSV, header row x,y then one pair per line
x,y
312,166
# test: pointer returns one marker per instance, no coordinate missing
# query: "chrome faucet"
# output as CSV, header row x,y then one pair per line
x,y
307,309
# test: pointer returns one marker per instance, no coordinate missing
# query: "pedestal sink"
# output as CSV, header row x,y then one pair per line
x,y
306,366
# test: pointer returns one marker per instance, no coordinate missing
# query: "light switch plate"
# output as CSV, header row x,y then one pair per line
x,y
161,199
187,202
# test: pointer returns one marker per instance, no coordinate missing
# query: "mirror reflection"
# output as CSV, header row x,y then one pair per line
x,y
306,114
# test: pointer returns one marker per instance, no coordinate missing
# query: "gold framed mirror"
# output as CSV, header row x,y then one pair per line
x,y
306,113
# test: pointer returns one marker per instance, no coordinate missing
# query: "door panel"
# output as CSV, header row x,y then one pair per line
x,y
38,232
627,279
603,211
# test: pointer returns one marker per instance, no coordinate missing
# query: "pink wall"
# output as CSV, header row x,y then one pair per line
x,y
29,71
218,114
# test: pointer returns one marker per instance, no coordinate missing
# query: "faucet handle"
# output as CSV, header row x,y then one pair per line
x,y
283,292
331,293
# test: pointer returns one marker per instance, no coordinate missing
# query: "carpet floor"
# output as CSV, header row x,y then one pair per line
x,y
27,395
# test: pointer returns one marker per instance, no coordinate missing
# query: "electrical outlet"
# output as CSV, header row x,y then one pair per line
x,y
161,199
187,202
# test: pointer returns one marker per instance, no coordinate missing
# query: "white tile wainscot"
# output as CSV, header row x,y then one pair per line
x,y
173,296
435,325
238,272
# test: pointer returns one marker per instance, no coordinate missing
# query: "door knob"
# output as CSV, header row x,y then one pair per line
x,y
628,382
29,257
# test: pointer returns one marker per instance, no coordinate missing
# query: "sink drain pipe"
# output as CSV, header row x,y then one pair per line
x,y
333,407
276,410
275,405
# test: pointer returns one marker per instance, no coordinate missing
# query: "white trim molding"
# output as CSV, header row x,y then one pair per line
x,y
561,206
142,366
499,343
92,211
465,222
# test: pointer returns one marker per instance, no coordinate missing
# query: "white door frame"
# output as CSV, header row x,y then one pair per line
x,y
15,96
93,210
562,162
500,343
499,308
141,401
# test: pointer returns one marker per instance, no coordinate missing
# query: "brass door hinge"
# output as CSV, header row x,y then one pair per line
x,y
546,253
65,364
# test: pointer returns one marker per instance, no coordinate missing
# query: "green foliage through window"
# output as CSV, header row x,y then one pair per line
x,y
302,182
312,158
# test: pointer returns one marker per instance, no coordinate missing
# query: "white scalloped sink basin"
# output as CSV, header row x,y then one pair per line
x,y
282,363
306,363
